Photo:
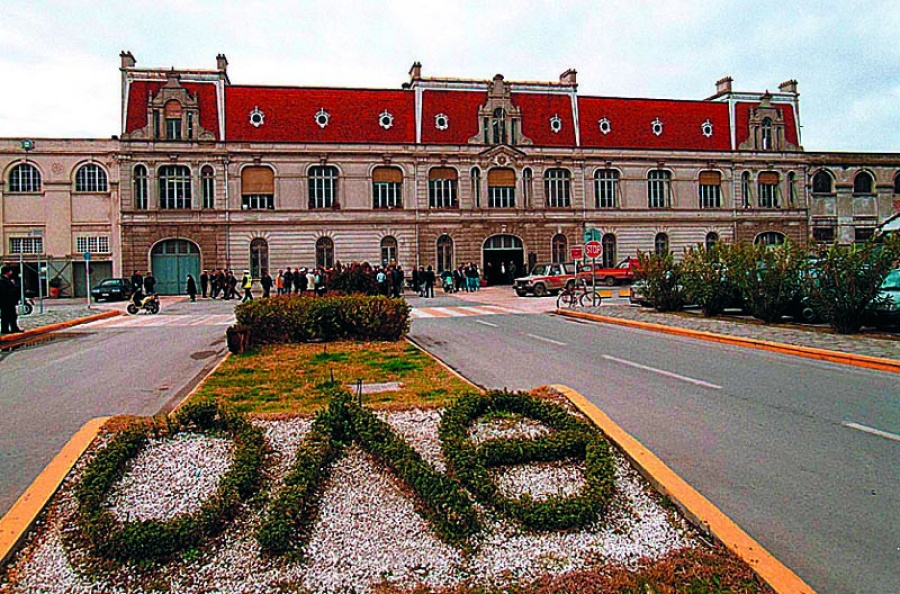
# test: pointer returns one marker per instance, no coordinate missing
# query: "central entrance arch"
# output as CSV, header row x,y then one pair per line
x,y
171,261
500,252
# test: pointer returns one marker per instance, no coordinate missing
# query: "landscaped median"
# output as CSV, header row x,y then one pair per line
x,y
367,467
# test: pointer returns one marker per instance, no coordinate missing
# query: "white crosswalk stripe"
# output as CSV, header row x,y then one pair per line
x,y
144,321
462,311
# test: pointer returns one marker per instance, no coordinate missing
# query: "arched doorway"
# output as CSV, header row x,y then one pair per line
x,y
171,261
501,252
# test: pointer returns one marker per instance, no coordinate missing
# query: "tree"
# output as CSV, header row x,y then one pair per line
x,y
662,278
768,278
705,279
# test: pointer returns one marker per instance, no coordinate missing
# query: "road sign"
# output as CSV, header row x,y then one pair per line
x,y
576,252
593,249
591,235
87,256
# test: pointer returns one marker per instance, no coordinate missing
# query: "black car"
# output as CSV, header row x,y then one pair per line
x,y
112,289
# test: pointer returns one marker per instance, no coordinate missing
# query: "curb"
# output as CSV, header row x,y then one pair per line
x,y
699,510
58,326
14,526
889,365
449,369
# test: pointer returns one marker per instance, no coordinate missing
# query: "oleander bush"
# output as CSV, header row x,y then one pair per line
x,y
304,319
706,279
663,286
144,540
769,278
570,437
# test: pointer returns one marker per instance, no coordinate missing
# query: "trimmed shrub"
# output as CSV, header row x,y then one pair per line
x,y
145,540
302,319
571,438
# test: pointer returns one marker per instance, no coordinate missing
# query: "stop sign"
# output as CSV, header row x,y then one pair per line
x,y
593,249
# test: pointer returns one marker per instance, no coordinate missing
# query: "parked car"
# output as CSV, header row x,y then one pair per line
x,y
112,289
636,294
886,307
623,272
546,279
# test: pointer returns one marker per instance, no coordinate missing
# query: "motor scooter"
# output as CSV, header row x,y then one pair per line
x,y
26,308
139,302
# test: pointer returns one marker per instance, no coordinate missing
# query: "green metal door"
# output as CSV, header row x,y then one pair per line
x,y
172,260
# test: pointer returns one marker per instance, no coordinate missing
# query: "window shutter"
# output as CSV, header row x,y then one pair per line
x,y
502,178
768,178
387,175
442,173
710,178
257,180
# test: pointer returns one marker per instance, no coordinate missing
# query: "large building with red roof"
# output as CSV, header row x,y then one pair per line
x,y
443,171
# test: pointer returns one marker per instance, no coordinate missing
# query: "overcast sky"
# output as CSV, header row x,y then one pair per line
x,y
59,61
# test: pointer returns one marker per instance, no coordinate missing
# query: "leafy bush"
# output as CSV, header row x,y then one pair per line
x,y
845,281
571,438
769,278
662,275
301,319
705,279
155,539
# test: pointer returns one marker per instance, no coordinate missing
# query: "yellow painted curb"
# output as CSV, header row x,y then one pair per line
x,y
22,515
695,506
890,365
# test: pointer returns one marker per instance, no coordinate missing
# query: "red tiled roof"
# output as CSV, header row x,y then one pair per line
x,y
742,121
631,124
461,109
537,111
140,91
290,115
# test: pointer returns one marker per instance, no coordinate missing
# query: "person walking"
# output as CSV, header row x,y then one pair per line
x,y
191,288
149,284
289,280
9,299
247,285
204,283
266,282
137,281
428,288
279,282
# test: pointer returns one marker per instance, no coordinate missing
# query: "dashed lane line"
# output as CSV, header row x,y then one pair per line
x,y
682,378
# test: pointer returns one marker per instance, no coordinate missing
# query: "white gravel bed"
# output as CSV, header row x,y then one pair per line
x,y
505,428
540,479
171,476
367,532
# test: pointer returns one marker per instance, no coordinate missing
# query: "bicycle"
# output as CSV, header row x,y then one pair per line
x,y
578,294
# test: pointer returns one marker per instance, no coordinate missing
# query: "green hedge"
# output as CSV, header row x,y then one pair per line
x,y
570,438
302,319
439,499
155,539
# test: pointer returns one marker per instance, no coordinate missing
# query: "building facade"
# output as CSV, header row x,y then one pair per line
x,y
445,171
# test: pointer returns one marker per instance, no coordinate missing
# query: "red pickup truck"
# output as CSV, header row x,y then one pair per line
x,y
622,273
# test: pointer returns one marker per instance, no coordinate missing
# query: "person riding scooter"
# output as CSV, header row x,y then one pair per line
x,y
148,303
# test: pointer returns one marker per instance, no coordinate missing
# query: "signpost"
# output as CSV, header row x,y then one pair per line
x,y
592,250
576,252
87,276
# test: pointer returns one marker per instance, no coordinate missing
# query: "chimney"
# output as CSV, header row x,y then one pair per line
x,y
788,86
128,60
723,85
415,73
221,63
569,77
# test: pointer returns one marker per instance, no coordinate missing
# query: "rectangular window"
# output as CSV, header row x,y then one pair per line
x,y
93,244
557,189
190,124
768,195
156,127
26,245
862,234
658,189
386,195
823,234
605,189
442,193
173,128
208,191
501,197
321,192
257,202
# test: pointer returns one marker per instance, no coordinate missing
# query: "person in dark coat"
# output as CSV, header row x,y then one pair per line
x,y
9,299
266,282
149,284
191,288
204,283
137,281
289,281
428,285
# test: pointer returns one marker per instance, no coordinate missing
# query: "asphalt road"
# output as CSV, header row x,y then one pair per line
x,y
118,366
766,437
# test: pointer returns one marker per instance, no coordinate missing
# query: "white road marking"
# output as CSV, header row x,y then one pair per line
x,y
872,431
550,340
665,373
483,323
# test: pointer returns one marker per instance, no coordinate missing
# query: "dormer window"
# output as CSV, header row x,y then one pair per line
x,y
173,120
499,119
498,126
766,134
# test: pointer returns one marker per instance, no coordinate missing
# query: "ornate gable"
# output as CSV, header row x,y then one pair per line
x,y
767,128
499,120
173,113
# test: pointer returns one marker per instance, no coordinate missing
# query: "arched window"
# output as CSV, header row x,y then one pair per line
x,y
259,257
559,248
24,179
501,188
442,188
769,238
257,188
609,250
208,186
476,187
323,187
498,126
822,183
606,184
661,244
766,134
712,238
90,178
767,188
659,192
388,250
387,185
710,189
325,253
745,189
557,188
792,188
173,120
863,183
141,189
527,186
444,253
174,187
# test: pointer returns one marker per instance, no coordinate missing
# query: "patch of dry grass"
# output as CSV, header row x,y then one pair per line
x,y
285,378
